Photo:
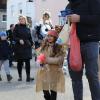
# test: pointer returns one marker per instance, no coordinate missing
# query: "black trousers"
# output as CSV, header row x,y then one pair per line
x,y
50,95
27,67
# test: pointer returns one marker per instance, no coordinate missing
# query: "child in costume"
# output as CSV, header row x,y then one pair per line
x,y
50,76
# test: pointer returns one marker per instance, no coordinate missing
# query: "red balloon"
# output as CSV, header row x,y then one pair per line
x,y
41,58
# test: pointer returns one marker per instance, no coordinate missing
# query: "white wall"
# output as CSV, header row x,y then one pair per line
x,y
13,7
53,6
34,10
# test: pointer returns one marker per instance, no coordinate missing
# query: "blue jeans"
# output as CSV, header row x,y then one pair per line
x,y
6,66
89,52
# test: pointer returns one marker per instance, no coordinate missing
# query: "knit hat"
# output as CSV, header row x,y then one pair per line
x,y
53,33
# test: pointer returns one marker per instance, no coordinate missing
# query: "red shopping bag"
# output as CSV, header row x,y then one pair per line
x,y
75,59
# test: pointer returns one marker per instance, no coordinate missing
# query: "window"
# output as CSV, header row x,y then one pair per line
x,y
20,11
29,20
4,18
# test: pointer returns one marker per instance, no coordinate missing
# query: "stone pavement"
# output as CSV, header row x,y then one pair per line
x,y
26,91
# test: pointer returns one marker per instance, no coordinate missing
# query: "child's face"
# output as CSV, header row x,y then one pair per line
x,y
50,38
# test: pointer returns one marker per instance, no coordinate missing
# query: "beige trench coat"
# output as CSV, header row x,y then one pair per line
x,y
51,76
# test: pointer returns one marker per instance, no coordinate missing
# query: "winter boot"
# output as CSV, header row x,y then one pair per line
x,y
47,95
9,78
28,79
0,78
20,78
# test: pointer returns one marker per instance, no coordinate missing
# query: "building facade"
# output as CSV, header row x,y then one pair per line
x,y
33,10
3,15
15,8
52,6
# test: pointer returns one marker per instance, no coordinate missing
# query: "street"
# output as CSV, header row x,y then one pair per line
x,y
26,91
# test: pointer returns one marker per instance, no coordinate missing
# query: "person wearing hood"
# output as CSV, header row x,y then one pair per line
x,y
86,15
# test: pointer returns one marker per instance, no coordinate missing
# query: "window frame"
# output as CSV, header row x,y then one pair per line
x,y
4,15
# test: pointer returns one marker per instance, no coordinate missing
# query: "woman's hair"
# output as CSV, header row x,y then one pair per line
x,y
58,28
45,14
26,21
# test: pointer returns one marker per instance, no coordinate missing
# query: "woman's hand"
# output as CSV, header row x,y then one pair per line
x,y
21,42
74,18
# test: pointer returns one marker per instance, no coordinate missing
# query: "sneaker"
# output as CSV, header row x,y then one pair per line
x,y
20,79
29,79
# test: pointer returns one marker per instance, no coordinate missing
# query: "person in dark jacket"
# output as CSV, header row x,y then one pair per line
x,y
10,39
86,15
4,55
23,47
10,33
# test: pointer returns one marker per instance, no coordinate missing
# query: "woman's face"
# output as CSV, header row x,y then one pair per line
x,y
45,17
22,20
50,38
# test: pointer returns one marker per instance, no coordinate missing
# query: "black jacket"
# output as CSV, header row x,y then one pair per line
x,y
88,29
22,51
4,50
10,35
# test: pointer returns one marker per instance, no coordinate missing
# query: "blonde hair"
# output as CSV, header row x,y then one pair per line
x,y
22,16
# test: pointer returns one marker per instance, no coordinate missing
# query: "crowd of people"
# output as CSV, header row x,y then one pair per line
x,y
17,43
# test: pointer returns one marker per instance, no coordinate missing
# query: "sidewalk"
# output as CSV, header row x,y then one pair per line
x,y
26,91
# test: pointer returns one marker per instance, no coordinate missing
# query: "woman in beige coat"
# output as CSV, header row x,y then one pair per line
x,y
50,77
